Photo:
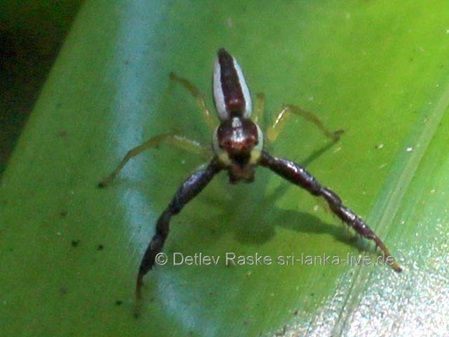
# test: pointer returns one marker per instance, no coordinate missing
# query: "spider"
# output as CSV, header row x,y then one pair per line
x,y
238,147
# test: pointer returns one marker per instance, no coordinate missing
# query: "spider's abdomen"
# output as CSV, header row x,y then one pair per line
x,y
231,94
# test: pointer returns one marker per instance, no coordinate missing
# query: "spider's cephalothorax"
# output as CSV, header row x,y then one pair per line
x,y
237,141
238,144
238,149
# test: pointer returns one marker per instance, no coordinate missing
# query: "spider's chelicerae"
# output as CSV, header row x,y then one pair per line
x,y
238,146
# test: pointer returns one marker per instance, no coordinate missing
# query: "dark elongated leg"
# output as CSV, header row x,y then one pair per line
x,y
299,176
189,189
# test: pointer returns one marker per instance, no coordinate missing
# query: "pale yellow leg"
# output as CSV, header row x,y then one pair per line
x,y
179,141
281,119
259,108
210,121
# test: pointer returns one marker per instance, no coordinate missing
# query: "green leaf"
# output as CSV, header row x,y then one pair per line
x,y
70,251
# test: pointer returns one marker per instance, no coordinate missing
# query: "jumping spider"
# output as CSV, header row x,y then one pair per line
x,y
238,146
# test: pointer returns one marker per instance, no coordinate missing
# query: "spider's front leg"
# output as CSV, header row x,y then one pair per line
x,y
288,109
189,189
179,141
298,175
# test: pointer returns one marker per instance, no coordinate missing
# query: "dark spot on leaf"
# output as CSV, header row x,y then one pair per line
x,y
62,133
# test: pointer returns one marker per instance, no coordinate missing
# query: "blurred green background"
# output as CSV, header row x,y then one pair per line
x,y
31,35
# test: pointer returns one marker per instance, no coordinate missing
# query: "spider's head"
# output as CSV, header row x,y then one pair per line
x,y
238,143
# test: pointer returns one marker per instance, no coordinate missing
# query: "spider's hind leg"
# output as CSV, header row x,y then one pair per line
x,y
259,108
199,97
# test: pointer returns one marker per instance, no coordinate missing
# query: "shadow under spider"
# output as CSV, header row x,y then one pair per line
x,y
252,217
